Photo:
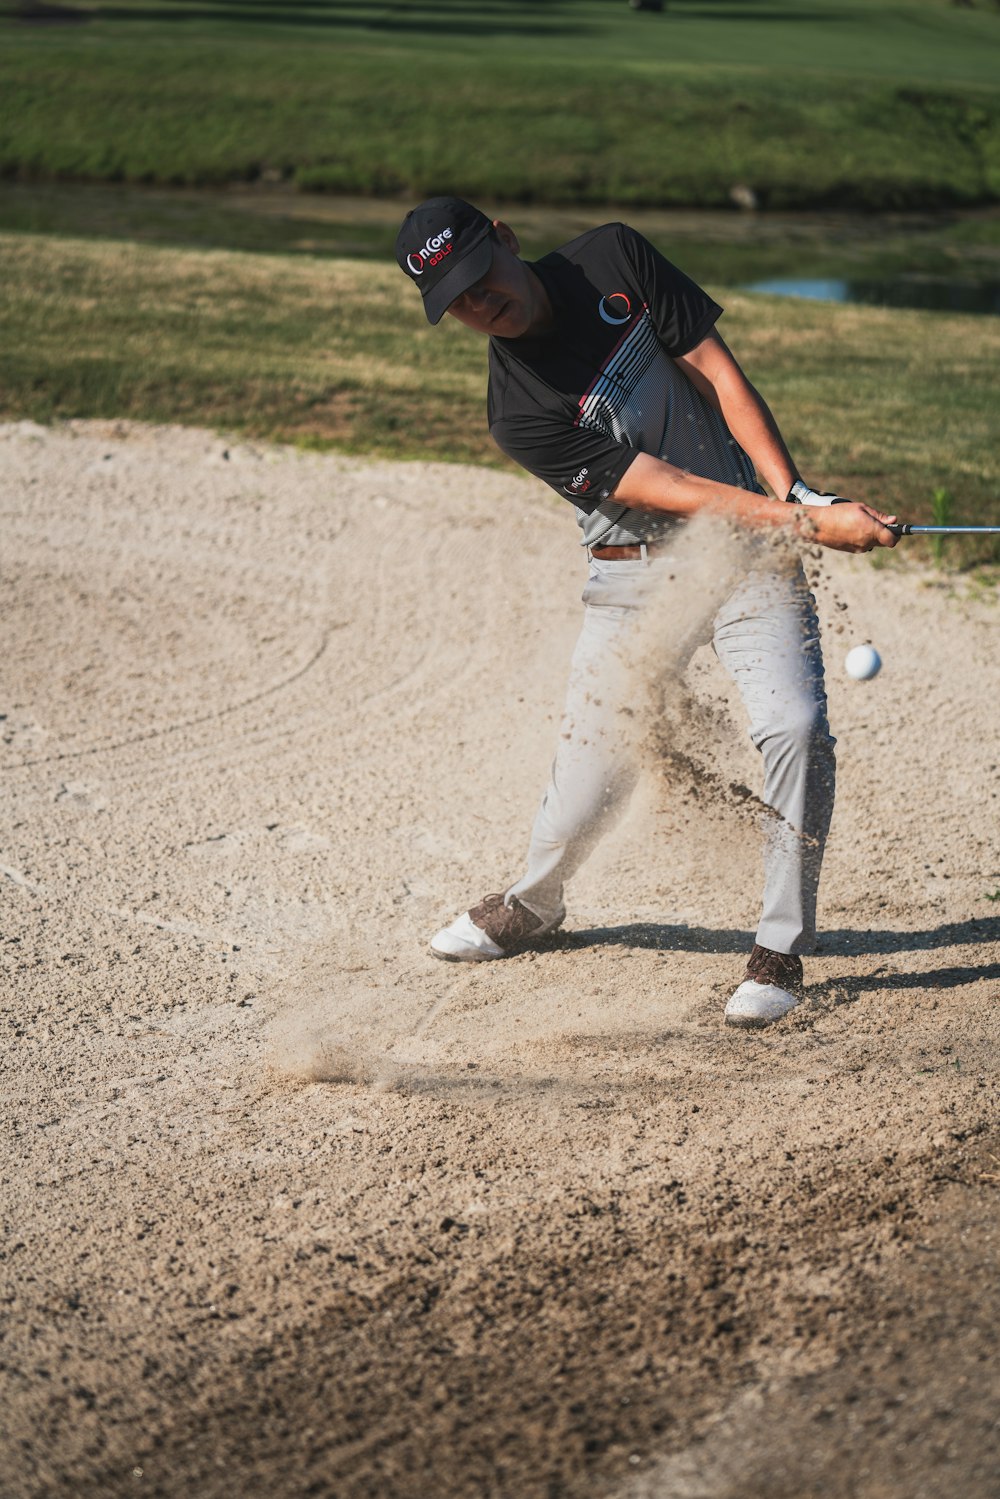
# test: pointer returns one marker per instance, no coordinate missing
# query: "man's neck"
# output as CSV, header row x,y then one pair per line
x,y
544,319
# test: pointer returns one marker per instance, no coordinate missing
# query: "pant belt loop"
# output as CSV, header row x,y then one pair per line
x,y
642,553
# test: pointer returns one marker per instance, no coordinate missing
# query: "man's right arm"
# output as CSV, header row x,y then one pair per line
x,y
652,484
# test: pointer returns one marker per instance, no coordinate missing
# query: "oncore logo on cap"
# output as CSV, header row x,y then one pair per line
x,y
432,252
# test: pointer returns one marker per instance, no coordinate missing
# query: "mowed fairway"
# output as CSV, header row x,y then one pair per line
x,y
290,1207
566,101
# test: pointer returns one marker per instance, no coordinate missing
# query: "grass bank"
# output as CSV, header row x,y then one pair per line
x,y
571,101
888,405
712,245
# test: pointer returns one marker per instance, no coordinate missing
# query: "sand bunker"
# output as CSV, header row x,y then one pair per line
x,y
290,1207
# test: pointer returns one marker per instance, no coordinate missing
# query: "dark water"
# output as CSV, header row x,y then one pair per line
x,y
932,295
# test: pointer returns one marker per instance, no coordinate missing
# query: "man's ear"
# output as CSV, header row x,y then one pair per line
x,y
507,237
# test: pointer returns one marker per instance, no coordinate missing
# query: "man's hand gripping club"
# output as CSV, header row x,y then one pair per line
x,y
848,530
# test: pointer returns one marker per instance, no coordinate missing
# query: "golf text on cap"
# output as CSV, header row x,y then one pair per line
x,y
431,253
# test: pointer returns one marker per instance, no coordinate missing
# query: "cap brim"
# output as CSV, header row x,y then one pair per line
x,y
471,268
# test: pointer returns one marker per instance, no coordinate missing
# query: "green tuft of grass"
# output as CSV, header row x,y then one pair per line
x,y
941,511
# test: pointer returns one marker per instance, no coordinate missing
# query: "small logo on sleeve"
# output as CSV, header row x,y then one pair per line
x,y
580,483
615,309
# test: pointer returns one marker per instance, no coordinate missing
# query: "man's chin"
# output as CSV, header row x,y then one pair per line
x,y
513,322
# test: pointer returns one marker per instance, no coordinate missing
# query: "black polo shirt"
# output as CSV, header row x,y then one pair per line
x,y
576,404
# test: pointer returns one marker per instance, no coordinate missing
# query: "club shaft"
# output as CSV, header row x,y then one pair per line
x,y
907,530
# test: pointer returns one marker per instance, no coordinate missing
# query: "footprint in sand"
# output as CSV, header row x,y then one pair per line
x,y
22,734
81,794
219,846
298,840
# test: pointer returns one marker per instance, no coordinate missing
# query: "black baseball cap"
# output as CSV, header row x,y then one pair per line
x,y
445,246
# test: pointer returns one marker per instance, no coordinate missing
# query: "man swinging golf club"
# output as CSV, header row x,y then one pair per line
x,y
609,382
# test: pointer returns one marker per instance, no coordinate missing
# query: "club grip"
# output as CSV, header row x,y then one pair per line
x,y
901,529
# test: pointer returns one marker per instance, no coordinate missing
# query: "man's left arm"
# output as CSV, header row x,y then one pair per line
x,y
655,484
714,372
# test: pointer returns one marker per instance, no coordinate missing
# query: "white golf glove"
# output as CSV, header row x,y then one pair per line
x,y
801,494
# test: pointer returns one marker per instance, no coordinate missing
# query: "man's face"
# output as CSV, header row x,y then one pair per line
x,y
509,301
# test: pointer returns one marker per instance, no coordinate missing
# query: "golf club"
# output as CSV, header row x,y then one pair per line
x,y
907,530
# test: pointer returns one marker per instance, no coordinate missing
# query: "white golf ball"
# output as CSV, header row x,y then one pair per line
x,y
862,663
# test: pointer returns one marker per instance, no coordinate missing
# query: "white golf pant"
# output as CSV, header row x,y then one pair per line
x,y
766,635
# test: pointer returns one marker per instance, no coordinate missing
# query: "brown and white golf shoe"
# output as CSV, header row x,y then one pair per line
x,y
772,987
498,926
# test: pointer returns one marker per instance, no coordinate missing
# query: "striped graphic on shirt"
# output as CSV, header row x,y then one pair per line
x,y
605,403
641,397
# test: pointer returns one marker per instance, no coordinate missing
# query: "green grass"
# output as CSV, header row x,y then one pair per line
x,y
884,405
556,101
297,350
